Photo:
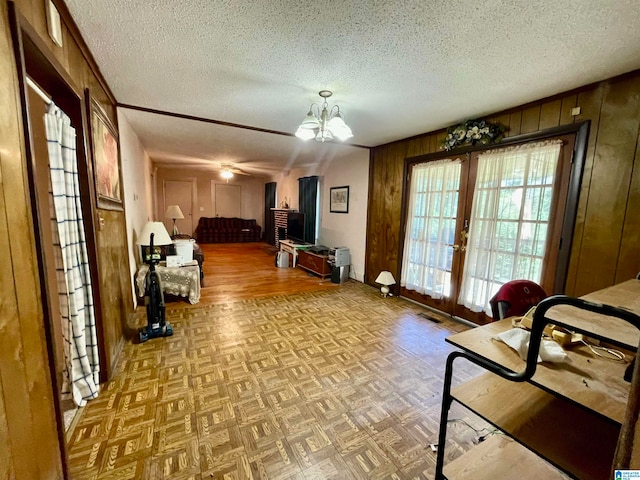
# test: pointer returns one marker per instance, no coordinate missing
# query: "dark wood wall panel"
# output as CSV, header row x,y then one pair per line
x,y
7,470
530,119
590,102
628,264
27,399
502,119
610,185
376,210
515,120
115,279
111,240
606,234
26,411
550,114
568,103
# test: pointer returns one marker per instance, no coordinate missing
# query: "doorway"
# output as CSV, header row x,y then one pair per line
x,y
181,193
477,220
37,110
37,66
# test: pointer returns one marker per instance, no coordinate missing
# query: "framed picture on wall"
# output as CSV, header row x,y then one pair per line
x,y
339,199
105,155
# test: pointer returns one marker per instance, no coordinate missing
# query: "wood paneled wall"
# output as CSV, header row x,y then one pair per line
x,y
606,240
28,430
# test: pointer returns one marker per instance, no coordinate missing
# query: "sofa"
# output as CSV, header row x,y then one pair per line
x,y
227,230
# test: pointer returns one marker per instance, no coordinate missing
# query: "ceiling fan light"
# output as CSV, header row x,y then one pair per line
x,y
227,174
305,133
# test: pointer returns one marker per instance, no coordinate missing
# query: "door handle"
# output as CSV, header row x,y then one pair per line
x,y
464,235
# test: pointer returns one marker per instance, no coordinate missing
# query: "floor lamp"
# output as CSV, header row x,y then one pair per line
x,y
173,211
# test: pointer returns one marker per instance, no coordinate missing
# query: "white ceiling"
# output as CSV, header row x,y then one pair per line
x,y
397,69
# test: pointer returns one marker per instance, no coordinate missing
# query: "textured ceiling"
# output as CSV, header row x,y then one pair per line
x,y
397,69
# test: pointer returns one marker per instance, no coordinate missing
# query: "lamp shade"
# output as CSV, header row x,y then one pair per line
x,y
161,236
385,278
173,211
310,121
305,133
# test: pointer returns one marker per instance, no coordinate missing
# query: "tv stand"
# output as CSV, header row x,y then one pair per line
x,y
292,248
314,263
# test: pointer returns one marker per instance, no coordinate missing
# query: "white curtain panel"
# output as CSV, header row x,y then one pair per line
x,y
75,293
509,218
431,226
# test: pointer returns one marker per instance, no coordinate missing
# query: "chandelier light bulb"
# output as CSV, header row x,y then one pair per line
x,y
305,133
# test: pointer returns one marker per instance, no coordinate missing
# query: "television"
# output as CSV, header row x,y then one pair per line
x,y
295,227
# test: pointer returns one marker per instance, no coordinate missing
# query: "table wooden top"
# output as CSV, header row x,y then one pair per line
x,y
624,295
291,243
590,381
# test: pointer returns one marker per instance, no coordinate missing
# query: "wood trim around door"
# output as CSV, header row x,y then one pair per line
x,y
571,166
194,198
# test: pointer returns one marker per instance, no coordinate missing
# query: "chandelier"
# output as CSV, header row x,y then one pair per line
x,y
325,124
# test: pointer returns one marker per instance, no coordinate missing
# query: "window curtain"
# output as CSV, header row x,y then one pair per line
x,y
509,220
75,292
307,204
431,226
269,221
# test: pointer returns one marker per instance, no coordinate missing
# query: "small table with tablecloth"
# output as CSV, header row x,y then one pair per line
x,y
182,281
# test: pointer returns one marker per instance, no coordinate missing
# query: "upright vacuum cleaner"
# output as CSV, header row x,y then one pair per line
x,y
157,326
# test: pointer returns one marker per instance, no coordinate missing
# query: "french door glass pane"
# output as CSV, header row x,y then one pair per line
x,y
509,220
431,226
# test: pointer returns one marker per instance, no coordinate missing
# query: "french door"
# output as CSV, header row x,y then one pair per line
x,y
476,221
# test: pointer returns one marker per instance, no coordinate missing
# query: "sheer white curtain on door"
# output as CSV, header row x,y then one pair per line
x,y
509,220
431,224
75,292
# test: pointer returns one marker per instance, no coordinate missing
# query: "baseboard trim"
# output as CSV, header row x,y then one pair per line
x,y
440,312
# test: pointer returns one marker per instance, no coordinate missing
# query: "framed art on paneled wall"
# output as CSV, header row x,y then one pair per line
x,y
105,154
339,200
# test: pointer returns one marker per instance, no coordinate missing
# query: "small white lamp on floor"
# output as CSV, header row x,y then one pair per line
x,y
173,211
385,279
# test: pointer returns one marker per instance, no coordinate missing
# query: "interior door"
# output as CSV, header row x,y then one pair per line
x,y
228,200
179,192
524,226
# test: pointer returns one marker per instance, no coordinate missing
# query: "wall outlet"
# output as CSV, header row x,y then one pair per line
x,y
202,209
575,111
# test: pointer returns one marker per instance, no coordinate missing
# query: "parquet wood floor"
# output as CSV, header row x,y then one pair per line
x,y
330,382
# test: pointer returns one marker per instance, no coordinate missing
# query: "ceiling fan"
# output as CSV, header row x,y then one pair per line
x,y
228,170
233,169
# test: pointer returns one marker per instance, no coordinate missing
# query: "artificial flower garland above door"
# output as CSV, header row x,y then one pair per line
x,y
473,132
